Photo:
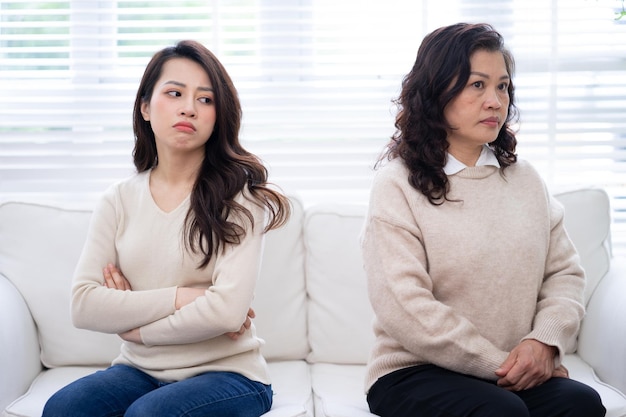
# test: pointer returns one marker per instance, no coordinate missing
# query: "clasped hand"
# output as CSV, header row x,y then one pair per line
x,y
113,278
531,363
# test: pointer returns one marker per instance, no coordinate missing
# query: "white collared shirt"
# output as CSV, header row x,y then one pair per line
x,y
487,157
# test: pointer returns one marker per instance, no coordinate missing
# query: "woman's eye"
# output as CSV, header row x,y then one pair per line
x,y
173,93
206,100
503,86
477,84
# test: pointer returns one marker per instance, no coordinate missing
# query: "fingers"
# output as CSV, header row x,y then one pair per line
x,y
529,364
114,279
560,372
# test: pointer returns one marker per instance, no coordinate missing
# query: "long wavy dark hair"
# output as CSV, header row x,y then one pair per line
x,y
441,71
227,168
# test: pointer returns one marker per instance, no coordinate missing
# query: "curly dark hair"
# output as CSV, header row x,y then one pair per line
x,y
227,167
440,72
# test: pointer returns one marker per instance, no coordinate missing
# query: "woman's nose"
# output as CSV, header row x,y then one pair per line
x,y
188,110
494,101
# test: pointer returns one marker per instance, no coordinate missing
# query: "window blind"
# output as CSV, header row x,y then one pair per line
x,y
316,79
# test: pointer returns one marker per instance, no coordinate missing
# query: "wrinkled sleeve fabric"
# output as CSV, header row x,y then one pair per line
x,y
560,305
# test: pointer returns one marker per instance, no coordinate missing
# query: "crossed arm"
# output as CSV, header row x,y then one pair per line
x,y
114,279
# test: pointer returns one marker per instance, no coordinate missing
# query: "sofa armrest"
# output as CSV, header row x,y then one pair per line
x,y
19,344
602,339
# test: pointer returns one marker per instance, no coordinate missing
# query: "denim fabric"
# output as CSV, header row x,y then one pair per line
x,y
125,391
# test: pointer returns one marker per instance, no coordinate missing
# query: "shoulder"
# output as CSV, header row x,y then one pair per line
x,y
123,192
523,168
392,197
252,204
530,181
524,175
392,173
132,184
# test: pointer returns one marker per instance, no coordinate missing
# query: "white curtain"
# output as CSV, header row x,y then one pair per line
x,y
316,79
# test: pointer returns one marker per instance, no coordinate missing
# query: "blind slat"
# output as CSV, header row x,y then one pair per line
x,y
316,80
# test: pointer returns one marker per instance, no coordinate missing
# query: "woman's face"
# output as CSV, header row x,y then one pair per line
x,y
479,111
181,110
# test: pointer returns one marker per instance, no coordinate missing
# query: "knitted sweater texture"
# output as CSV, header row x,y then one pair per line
x,y
129,230
460,284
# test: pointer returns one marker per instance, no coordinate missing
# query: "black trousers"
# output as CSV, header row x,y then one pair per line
x,y
430,391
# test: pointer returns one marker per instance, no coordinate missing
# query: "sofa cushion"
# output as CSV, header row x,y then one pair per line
x,y
293,395
47,383
588,222
39,247
291,385
339,390
613,400
280,300
600,338
340,314
19,344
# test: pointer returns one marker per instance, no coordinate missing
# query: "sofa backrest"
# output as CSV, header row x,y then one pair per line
x,y
311,299
39,248
280,301
339,312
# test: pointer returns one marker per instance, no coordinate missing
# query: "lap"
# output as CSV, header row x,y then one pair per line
x,y
125,391
215,394
430,391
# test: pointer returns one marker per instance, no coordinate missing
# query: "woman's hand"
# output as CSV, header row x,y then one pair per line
x,y
245,326
560,372
132,336
529,364
114,279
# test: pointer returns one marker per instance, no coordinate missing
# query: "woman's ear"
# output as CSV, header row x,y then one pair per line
x,y
145,111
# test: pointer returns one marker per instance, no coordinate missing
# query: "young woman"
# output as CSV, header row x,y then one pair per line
x,y
172,256
476,287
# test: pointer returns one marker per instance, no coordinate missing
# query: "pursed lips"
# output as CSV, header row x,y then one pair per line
x,y
491,121
185,127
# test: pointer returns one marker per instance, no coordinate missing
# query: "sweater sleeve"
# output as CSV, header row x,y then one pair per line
x,y
401,290
226,302
96,307
560,305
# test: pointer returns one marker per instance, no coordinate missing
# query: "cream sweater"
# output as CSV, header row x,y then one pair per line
x,y
460,284
129,230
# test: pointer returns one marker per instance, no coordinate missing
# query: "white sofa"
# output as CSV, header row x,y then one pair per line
x,y
312,308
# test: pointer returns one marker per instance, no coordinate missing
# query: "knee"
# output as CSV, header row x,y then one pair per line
x,y
61,403
143,409
506,404
586,402
54,407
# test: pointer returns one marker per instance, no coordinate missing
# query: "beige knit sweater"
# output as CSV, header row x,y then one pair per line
x,y
129,230
460,284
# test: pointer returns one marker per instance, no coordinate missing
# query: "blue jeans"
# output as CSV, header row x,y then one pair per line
x,y
125,391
